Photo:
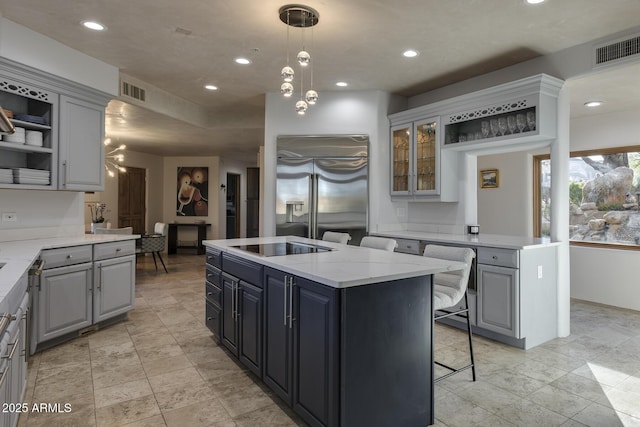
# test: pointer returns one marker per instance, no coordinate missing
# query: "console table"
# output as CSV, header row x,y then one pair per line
x,y
173,238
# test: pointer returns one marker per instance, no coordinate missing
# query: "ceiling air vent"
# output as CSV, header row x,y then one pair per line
x,y
620,50
132,91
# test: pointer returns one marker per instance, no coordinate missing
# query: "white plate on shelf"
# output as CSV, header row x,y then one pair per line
x,y
22,180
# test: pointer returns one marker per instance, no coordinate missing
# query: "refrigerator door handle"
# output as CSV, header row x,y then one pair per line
x,y
314,200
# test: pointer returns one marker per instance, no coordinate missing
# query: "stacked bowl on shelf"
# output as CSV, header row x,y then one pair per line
x,y
18,137
34,137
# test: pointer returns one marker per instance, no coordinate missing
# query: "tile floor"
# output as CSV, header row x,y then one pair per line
x,y
161,367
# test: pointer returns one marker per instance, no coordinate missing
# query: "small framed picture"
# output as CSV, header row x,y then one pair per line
x,y
489,178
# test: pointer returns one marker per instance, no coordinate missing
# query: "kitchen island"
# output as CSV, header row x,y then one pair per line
x,y
343,334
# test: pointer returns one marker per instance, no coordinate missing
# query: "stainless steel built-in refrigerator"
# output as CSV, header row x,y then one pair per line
x,y
322,185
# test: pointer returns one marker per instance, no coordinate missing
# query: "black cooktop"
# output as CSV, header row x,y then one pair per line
x,y
283,248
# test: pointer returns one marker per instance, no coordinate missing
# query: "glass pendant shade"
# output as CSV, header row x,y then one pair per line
x,y
286,89
311,96
303,58
287,74
301,107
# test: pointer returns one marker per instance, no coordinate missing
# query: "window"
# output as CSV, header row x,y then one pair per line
x,y
604,197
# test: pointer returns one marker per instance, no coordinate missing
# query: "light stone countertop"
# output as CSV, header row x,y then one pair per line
x,y
486,240
343,267
18,256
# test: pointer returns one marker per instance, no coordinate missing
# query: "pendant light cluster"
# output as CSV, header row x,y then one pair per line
x,y
299,16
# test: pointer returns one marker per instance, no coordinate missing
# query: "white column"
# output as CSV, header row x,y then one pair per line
x,y
469,187
560,209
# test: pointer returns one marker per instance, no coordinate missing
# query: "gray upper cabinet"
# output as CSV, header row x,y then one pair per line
x,y
81,161
70,118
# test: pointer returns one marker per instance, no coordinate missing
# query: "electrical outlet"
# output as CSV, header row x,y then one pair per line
x,y
539,272
9,217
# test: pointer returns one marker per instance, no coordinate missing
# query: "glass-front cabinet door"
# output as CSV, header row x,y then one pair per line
x,y
401,159
425,173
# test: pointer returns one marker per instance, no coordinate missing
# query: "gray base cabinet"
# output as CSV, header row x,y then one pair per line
x,y
82,286
113,290
498,308
64,301
515,295
13,365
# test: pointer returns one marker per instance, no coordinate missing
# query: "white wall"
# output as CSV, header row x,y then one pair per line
x,y
336,113
27,47
41,214
607,276
507,209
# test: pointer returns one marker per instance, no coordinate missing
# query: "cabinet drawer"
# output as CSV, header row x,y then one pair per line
x,y
113,249
214,257
408,246
213,320
66,256
214,294
248,271
498,256
212,275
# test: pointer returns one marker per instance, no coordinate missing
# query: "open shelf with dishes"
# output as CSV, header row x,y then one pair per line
x,y
32,149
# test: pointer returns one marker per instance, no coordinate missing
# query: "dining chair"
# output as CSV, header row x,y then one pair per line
x,y
155,243
448,290
375,242
124,230
336,237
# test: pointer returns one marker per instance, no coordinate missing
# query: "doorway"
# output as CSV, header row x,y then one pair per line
x,y
131,199
233,206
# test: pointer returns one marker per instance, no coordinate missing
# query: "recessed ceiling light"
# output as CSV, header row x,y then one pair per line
x,y
593,104
242,61
92,25
534,1
211,87
410,53
342,84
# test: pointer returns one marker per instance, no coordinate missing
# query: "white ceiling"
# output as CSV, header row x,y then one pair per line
x,y
357,41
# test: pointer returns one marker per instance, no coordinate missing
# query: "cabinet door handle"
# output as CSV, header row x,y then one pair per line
x,y
99,278
284,303
118,249
291,285
237,314
209,319
13,350
69,256
64,173
233,300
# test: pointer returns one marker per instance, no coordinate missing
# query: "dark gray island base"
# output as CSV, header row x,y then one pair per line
x,y
339,356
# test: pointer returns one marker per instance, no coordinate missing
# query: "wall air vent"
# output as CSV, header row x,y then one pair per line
x,y
132,91
617,51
